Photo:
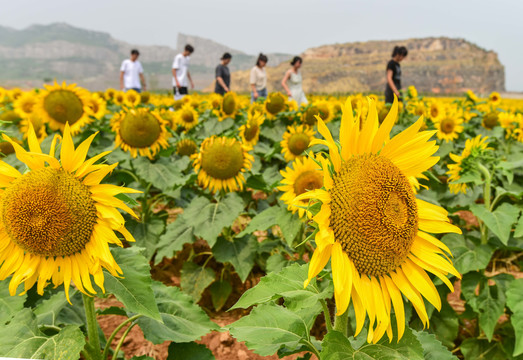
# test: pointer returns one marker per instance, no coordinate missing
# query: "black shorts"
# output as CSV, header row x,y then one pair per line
x,y
182,90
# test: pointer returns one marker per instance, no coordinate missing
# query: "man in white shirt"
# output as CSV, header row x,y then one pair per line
x,y
181,74
131,73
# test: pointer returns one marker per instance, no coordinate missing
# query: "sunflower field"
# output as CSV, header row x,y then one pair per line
x,y
346,228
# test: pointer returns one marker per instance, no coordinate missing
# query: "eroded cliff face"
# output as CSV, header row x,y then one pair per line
x,y
438,65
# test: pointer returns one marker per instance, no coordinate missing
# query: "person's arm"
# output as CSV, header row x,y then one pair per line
x,y
121,80
222,83
253,84
142,79
190,79
176,78
284,82
391,83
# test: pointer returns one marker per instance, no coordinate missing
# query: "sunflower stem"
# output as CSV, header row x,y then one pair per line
x,y
92,327
326,314
341,322
486,199
120,343
105,354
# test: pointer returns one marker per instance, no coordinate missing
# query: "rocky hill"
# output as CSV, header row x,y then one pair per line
x,y
59,51
437,65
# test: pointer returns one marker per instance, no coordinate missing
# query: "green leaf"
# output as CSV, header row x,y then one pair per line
x,y
195,279
48,310
445,325
190,350
262,221
515,303
500,221
147,235
432,347
183,320
268,328
9,305
164,173
134,288
290,224
239,252
207,219
22,339
518,231
336,346
287,284
476,349
469,255
177,234
220,291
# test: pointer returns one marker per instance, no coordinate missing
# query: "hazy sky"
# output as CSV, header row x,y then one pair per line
x,y
289,26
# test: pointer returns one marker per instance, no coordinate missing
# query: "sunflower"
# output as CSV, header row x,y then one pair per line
x,y
132,98
14,94
275,104
295,141
490,120
325,111
6,148
140,131
145,97
250,132
25,103
304,175
309,116
434,110
62,104
186,147
57,221
9,116
119,98
110,93
97,105
494,98
35,122
474,148
230,106
186,117
221,162
372,226
449,126
3,94
470,96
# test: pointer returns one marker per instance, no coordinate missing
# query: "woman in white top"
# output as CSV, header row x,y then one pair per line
x,y
292,82
258,79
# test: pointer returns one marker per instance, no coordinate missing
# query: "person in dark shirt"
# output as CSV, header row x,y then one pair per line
x,y
223,76
394,73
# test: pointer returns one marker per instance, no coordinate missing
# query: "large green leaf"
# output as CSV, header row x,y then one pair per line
x,y
195,279
481,349
177,234
147,234
515,303
433,349
336,346
22,339
134,288
9,305
183,320
268,328
468,254
185,351
210,221
239,252
289,223
164,173
48,310
288,284
445,324
499,221
220,291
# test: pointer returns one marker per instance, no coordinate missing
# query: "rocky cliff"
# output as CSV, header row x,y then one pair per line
x,y
59,51
437,65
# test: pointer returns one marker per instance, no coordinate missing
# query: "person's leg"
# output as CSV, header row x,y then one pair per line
x,y
263,93
138,90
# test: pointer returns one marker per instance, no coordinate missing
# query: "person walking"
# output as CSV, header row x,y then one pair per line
x,y
131,73
181,75
258,78
394,74
223,76
292,82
